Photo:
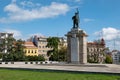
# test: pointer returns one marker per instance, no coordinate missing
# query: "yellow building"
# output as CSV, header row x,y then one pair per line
x,y
30,49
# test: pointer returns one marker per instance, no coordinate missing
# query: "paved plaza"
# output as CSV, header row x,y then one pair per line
x,y
100,68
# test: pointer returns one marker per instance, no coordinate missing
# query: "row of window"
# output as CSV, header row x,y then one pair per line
x,y
42,50
43,42
95,49
31,51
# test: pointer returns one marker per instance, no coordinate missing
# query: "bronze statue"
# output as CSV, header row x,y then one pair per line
x,y
75,19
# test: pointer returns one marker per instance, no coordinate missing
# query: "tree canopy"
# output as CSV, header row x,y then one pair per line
x,y
53,43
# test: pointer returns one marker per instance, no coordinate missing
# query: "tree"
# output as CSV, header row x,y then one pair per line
x,y
41,58
62,53
108,59
15,51
1,55
53,42
35,58
7,45
18,51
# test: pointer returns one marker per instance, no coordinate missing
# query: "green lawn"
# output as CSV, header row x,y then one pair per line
x,y
7,74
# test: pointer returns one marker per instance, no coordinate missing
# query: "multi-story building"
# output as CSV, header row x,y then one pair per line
x,y
30,49
41,43
95,51
116,56
3,38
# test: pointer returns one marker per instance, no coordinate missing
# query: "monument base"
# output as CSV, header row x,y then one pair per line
x,y
77,46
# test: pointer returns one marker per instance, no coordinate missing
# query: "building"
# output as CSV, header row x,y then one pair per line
x,y
30,49
95,51
63,42
116,56
41,43
3,39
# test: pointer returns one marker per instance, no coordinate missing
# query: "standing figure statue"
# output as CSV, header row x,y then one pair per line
x,y
75,19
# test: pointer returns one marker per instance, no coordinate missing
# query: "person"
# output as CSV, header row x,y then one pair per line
x,y
75,19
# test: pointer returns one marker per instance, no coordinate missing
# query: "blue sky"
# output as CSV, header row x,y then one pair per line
x,y
25,18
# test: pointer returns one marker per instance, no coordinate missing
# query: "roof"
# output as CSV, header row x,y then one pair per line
x,y
29,45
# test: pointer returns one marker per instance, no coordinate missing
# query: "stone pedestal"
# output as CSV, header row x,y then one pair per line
x,y
77,46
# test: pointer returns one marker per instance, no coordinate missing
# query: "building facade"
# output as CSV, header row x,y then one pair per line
x,y
116,56
3,39
95,51
41,43
30,49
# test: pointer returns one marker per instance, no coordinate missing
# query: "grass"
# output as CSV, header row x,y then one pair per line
x,y
9,74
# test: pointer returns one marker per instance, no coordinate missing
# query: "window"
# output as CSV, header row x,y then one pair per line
x,y
32,51
35,51
28,51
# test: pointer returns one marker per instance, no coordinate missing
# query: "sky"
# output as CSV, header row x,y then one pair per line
x,y
98,18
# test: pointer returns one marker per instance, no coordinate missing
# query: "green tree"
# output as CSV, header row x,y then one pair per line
x,y
7,44
53,42
35,58
41,58
62,53
108,59
15,51
18,50
1,55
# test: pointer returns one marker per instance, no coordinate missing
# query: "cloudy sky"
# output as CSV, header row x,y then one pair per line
x,y
99,18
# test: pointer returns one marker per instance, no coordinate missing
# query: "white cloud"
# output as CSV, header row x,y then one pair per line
x,y
17,13
87,20
111,36
29,4
17,34
109,33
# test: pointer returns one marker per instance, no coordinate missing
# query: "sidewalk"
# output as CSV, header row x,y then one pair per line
x,y
99,68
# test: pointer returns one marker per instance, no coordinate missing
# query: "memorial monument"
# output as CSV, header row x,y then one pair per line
x,y
77,43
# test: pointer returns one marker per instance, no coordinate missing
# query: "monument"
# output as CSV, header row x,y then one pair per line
x,y
77,43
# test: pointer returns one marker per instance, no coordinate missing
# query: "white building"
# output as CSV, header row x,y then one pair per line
x,y
3,37
116,56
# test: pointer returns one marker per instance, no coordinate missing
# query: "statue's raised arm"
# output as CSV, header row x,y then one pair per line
x,y
75,19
